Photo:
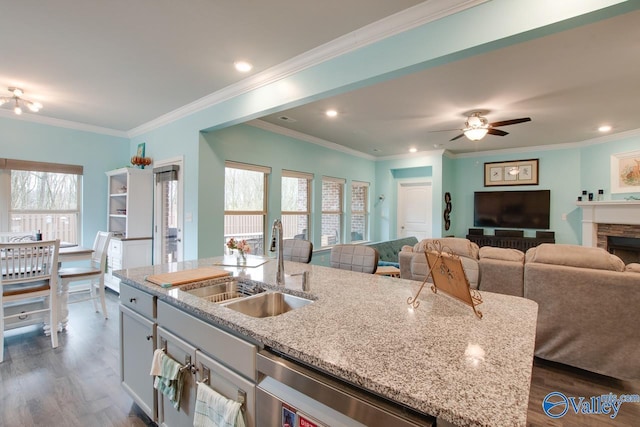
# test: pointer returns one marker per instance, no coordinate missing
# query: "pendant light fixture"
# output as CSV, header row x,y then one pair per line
x,y
17,102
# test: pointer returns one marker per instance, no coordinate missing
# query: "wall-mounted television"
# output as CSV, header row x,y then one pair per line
x,y
512,209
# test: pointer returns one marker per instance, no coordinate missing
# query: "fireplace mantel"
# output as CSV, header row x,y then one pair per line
x,y
608,212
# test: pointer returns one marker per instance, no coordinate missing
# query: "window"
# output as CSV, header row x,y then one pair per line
x,y
332,190
42,197
245,206
359,212
296,196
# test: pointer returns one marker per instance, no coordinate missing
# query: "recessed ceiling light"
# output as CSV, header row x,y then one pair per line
x,y
331,113
604,128
243,66
413,150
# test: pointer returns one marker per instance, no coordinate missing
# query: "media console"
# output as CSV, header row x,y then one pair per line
x,y
512,239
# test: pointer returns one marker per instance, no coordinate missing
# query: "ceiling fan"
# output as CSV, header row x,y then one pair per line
x,y
477,126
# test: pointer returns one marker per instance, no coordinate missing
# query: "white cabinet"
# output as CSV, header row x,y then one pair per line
x,y
126,253
130,219
130,206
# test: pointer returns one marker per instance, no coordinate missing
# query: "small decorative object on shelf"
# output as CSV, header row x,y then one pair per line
x,y
600,195
141,161
242,247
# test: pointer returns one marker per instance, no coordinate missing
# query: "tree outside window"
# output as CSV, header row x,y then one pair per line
x,y
245,204
47,202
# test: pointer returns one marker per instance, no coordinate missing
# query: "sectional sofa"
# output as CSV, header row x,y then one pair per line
x,y
588,299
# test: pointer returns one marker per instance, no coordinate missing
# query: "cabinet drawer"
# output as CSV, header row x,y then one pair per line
x,y
227,383
115,248
137,300
116,264
230,350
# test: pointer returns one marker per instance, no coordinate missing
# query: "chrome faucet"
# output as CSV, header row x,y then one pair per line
x,y
276,236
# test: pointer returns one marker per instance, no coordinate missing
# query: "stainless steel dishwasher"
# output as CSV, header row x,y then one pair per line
x,y
293,395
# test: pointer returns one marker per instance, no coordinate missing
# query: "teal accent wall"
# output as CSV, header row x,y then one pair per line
x,y
97,153
390,172
248,144
596,168
559,171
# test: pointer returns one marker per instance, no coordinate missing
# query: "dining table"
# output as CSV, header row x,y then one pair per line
x,y
67,253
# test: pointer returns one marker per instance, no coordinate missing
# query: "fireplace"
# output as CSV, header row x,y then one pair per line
x,y
627,248
614,226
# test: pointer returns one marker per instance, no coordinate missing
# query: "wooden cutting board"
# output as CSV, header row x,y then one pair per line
x,y
187,276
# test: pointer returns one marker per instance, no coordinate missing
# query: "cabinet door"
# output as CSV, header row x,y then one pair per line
x,y
184,353
137,343
227,383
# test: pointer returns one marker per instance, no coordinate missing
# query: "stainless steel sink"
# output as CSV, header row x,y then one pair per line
x,y
267,304
226,291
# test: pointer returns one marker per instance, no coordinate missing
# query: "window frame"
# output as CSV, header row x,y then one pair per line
x,y
266,171
309,179
340,211
364,213
7,166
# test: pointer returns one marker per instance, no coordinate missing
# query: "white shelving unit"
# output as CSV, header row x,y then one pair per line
x,y
130,219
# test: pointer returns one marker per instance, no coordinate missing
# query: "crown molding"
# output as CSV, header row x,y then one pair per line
x,y
67,124
270,127
397,23
564,146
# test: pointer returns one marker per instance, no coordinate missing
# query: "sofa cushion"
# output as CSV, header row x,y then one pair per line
x,y
388,250
459,246
501,254
634,267
574,256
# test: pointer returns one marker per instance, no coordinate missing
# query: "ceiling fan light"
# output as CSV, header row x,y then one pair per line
x,y
34,106
17,110
475,134
17,91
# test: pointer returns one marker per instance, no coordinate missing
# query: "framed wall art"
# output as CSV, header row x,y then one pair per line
x,y
514,172
625,172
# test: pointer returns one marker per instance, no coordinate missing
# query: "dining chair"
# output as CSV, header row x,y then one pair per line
x,y
297,250
17,236
94,273
355,258
28,273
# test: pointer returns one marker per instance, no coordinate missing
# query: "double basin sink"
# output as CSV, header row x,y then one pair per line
x,y
248,299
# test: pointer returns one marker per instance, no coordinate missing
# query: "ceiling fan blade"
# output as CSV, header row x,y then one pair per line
x,y
443,130
510,122
459,136
497,132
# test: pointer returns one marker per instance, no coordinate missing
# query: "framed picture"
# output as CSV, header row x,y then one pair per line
x,y
625,172
515,172
140,152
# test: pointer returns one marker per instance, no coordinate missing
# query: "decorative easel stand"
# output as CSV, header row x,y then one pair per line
x,y
448,276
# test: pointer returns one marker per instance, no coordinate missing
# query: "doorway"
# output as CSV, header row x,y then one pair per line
x,y
414,209
167,211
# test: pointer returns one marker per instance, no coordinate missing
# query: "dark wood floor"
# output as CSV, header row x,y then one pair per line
x,y
78,384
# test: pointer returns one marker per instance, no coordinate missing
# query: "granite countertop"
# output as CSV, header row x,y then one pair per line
x,y
439,359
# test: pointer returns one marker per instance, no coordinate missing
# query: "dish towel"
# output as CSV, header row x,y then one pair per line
x,y
215,410
169,376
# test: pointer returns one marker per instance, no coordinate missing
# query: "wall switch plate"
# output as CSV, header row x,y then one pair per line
x,y
188,217
564,216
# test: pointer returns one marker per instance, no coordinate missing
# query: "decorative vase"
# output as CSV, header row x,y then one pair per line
x,y
241,257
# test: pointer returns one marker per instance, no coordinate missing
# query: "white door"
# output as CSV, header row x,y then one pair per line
x,y
414,210
167,212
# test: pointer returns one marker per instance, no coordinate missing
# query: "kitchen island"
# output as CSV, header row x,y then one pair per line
x,y
438,359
